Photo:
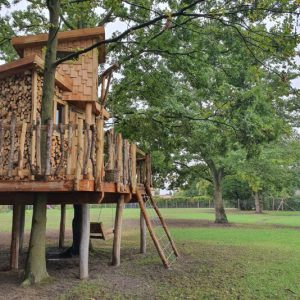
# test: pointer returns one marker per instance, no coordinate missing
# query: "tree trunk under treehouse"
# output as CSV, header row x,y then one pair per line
x,y
76,229
35,270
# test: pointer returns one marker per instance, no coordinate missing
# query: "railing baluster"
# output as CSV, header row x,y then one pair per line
x,y
119,162
12,145
70,147
125,162
99,152
79,154
93,150
133,167
48,147
87,148
21,149
38,146
1,145
62,150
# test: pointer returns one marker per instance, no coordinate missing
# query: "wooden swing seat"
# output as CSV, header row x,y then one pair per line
x,y
97,231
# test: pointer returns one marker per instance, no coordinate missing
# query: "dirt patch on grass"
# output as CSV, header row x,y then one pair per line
x,y
184,223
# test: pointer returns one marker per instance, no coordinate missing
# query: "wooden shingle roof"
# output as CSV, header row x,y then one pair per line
x,y
98,33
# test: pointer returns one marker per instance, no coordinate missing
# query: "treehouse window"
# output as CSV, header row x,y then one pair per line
x,y
60,114
62,54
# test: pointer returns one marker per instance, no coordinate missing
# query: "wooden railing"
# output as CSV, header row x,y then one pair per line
x,y
73,151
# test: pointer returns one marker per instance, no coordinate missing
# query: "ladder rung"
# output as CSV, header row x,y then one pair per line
x,y
159,231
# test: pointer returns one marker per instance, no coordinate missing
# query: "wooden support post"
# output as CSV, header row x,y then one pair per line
x,y
118,232
84,242
62,226
143,234
99,152
79,161
133,177
22,227
15,238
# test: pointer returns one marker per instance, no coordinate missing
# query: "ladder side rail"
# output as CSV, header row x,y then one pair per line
x,y
152,234
164,225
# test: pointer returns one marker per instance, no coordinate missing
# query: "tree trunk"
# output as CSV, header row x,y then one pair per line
x,y
35,270
76,228
258,208
218,200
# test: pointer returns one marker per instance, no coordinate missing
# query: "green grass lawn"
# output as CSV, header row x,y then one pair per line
x,y
280,218
258,257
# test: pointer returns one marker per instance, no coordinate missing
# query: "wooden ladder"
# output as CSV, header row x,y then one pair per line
x,y
157,227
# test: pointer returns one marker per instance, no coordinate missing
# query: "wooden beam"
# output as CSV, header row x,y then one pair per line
x,y
36,186
15,239
70,35
84,243
116,254
62,226
143,234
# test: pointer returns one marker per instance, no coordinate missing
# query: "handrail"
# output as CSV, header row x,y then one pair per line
x,y
88,154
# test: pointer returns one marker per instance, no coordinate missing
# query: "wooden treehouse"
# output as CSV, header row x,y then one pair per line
x,y
85,163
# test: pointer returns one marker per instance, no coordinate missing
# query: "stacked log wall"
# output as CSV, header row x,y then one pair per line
x,y
15,99
56,140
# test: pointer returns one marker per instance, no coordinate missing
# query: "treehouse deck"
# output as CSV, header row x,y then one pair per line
x,y
84,164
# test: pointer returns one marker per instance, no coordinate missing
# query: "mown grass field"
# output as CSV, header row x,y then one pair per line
x,y
256,257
